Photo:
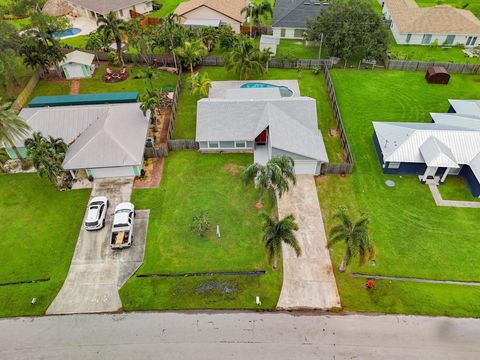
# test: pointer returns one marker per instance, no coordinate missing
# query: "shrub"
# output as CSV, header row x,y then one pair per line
x,y
113,58
316,70
200,224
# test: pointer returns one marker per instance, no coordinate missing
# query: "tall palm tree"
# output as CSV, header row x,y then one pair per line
x,y
191,52
276,232
266,56
275,175
256,11
115,27
201,84
355,236
244,59
149,102
209,36
12,127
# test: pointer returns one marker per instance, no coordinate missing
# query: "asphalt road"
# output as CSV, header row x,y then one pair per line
x,y
238,336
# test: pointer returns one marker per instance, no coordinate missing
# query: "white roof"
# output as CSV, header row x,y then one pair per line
x,y
253,93
269,39
437,154
466,107
457,120
202,22
78,57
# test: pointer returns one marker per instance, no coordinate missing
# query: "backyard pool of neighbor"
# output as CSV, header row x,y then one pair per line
x,y
67,33
284,91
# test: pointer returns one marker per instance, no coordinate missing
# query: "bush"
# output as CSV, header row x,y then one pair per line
x,y
113,58
200,224
316,70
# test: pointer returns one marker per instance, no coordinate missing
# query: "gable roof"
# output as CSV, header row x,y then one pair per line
x,y
466,107
408,17
230,8
78,57
103,7
437,154
294,13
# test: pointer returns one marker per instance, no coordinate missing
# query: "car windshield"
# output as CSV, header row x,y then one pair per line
x,y
120,225
122,211
91,223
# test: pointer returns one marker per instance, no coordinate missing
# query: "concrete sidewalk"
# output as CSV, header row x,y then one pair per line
x,y
308,280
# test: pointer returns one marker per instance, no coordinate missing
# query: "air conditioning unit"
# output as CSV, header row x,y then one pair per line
x,y
150,142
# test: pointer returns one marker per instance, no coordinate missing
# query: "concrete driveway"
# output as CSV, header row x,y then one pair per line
x,y
97,272
308,280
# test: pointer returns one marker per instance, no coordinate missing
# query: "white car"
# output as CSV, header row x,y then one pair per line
x,y
96,213
122,229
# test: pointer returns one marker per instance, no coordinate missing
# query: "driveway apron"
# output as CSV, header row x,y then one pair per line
x,y
97,272
308,280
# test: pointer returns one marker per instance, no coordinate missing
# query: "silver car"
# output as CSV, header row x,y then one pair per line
x,y
96,213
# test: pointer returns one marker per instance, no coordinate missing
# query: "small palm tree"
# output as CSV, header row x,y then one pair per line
x,y
191,52
276,232
266,56
149,102
148,75
209,36
256,11
355,236
115,27
201,84
275,175
12,127
244,59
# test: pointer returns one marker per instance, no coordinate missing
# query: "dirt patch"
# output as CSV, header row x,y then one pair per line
x,y
233,169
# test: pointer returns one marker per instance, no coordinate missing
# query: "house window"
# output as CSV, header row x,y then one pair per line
x,y
450,39
298,33
227,144
240,144
282,33
121,13
393,165
427,38
471,40
213,145
409,36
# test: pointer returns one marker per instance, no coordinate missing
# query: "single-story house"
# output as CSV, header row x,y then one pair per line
x,y
105,140
78,65
196,13
414,25
94,9
290,17
261,120
269,42
450,145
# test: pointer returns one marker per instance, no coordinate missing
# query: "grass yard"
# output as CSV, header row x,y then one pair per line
x,y
310,85
39,229
414,237
291,48
194,182
77,42
168,6
457,189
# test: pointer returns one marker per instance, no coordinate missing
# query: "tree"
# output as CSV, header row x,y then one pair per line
x,y
12,127
276,232
148,75
170,35
275,175
191,52
201,84
209,36
350,28
244,59
149,102
256,11
23,7
226,37
114,27
355,236
94,42
266,56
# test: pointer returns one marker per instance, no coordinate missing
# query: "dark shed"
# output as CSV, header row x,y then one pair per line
x,y
437,75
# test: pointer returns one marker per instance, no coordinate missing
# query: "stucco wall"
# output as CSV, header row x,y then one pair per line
x,y
289,33
123,14
205,13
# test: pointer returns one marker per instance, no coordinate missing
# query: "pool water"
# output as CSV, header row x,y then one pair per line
x,y
284,91
68,32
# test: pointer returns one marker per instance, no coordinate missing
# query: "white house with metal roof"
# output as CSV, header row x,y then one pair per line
x,y
104,140
260,120
78,65
94,9
450,145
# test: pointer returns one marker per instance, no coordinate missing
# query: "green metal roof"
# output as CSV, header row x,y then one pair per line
x,y
84,99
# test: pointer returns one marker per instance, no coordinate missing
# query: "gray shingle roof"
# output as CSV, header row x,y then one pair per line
x,y
294,13
103,7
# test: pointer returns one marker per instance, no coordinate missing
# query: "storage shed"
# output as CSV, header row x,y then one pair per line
x,y
437,75
78,65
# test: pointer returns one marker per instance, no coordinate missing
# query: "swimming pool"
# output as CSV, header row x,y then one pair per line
x,y
284,91
66,33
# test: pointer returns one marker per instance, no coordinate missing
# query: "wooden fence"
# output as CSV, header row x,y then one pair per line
x,y
414,65
274,63
182,144
27,91
266,30
337,168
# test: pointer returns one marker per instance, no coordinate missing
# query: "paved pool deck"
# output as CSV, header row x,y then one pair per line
x,y
219,88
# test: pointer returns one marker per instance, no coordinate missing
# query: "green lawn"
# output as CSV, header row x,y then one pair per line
x,y
77,42
289,48
456,189
414,237
39,228
194,182
310,85
168,6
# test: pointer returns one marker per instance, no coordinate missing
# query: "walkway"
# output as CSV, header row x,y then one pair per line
x,y
308,281
97,272
238,335
74,87
453,203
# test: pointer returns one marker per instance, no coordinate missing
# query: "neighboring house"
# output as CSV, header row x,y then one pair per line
x,y
269,42
78,65
196,13
414,25
57,7
104,140
290,17
261,121
94,9
448,146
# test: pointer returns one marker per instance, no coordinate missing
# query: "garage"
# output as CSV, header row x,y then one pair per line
x,y
112,172
305,167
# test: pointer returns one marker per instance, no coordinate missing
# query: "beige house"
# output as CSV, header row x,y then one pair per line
x,y
93,9
413,25
196,13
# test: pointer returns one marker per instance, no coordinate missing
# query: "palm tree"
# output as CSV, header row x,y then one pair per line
x,y
276,232
209,36
266,56
274,175
191,52
12,127
256,11
355,236
244,59
201,84
115,27
149,102
148,75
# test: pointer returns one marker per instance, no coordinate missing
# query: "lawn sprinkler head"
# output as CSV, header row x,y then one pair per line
x,y
34,301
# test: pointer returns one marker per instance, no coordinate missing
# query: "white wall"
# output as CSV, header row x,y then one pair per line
x,y
123,14
112,172
289,33
204,13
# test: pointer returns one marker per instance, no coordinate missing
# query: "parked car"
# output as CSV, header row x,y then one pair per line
x,y
96,213
122,229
